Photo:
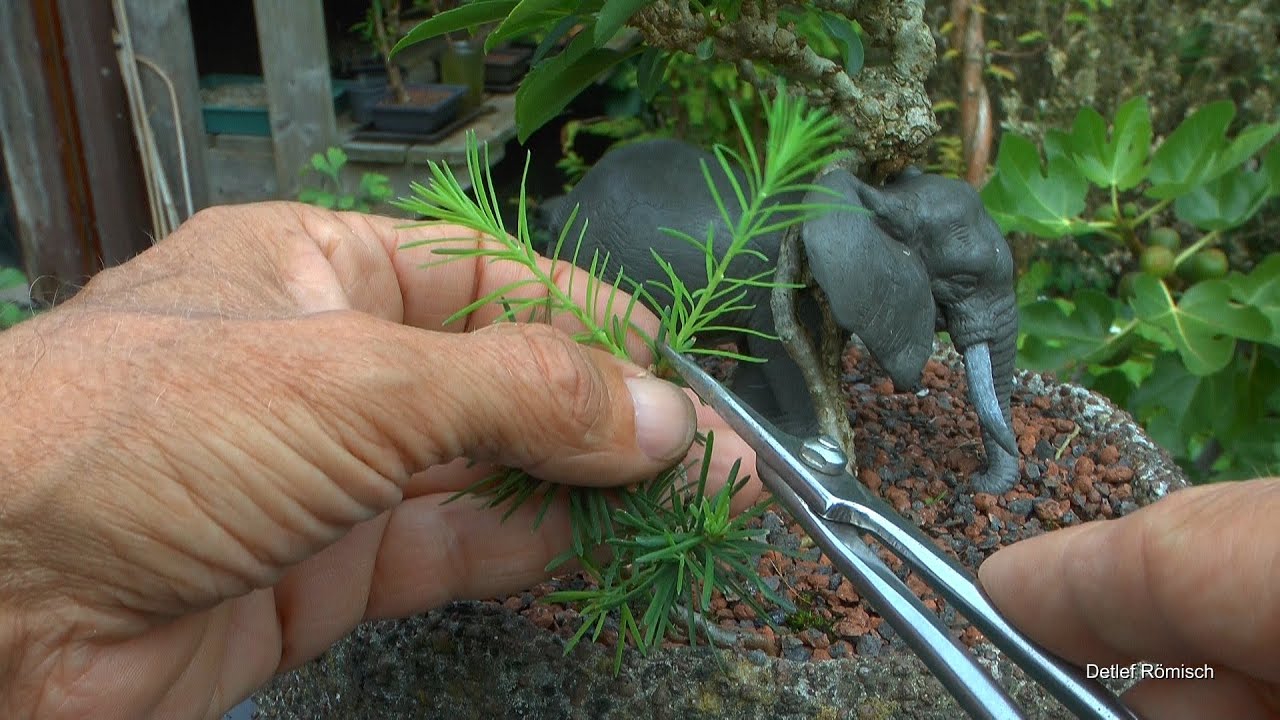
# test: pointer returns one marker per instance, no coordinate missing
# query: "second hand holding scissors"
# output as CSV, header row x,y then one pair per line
x,y
809,478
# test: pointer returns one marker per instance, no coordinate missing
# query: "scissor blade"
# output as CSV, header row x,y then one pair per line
x,y
769,442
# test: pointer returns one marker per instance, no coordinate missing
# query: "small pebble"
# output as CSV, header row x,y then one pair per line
x,y
869,645
1021,507
842,648
793,649
757,657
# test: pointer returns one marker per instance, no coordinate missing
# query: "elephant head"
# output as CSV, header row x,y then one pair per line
x,y
927,257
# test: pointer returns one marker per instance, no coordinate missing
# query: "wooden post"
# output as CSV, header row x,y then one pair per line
x,y
161,32
111,165
295,67
39,158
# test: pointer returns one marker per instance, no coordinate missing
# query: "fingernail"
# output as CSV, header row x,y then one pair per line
x,y
665,420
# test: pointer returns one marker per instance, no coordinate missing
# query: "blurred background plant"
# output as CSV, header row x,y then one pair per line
x,y
1184,341
371,192
15,303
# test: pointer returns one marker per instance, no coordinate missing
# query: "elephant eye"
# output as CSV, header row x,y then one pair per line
x,y
965,282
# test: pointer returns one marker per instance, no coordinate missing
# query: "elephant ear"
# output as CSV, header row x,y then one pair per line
x,y
878,287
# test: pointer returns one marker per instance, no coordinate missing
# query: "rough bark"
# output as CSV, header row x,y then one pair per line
x,y
884,103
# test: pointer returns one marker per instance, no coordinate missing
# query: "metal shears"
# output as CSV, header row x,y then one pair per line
x,y
809,478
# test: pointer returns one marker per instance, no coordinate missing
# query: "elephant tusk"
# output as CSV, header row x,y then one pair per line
x,y
986,403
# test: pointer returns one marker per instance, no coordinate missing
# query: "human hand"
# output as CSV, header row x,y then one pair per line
x,y
1189,580
223,455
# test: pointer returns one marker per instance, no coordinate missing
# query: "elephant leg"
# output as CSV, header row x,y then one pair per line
x,y
789,405
750,383
1002,473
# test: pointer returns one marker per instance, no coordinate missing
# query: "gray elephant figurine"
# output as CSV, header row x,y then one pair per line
x,y
927,257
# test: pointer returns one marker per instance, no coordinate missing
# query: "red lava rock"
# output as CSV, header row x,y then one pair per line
x,y
846,593
1049,510
1109,455
976,528
514,603
1026,444
1083,483
541,615
884,386
853,625
899,498
743,611
1085,466
984,502
819,655
768,641
815,638
1118,474
917,585
1122,492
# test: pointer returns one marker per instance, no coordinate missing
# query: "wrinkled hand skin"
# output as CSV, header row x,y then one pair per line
x,y
221,456
1189,580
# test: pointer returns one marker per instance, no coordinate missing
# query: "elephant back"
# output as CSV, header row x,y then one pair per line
x,y
636,190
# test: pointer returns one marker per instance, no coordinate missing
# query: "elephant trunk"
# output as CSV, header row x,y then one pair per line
x,y
989,366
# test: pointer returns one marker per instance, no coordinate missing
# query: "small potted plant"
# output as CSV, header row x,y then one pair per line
x,y
399,106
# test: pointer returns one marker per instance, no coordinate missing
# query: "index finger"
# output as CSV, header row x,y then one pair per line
x,y
1189,579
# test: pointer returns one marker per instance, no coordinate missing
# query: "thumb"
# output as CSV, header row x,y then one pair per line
x,y
528,396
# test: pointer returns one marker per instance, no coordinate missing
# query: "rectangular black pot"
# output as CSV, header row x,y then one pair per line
x,y
506,65
430,107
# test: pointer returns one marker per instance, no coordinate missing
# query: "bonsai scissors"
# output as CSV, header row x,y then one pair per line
x,y
809,478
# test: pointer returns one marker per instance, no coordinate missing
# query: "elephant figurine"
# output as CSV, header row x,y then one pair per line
x,y
926,257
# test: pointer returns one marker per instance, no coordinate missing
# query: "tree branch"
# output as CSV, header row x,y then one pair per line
x,y
886,107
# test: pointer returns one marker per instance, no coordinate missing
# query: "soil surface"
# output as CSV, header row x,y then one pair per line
x,y
253,94
917,452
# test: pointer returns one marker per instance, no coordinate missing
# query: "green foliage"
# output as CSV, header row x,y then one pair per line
x,y
670,543
332,193
559,74
1189,346
680,545
12,313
